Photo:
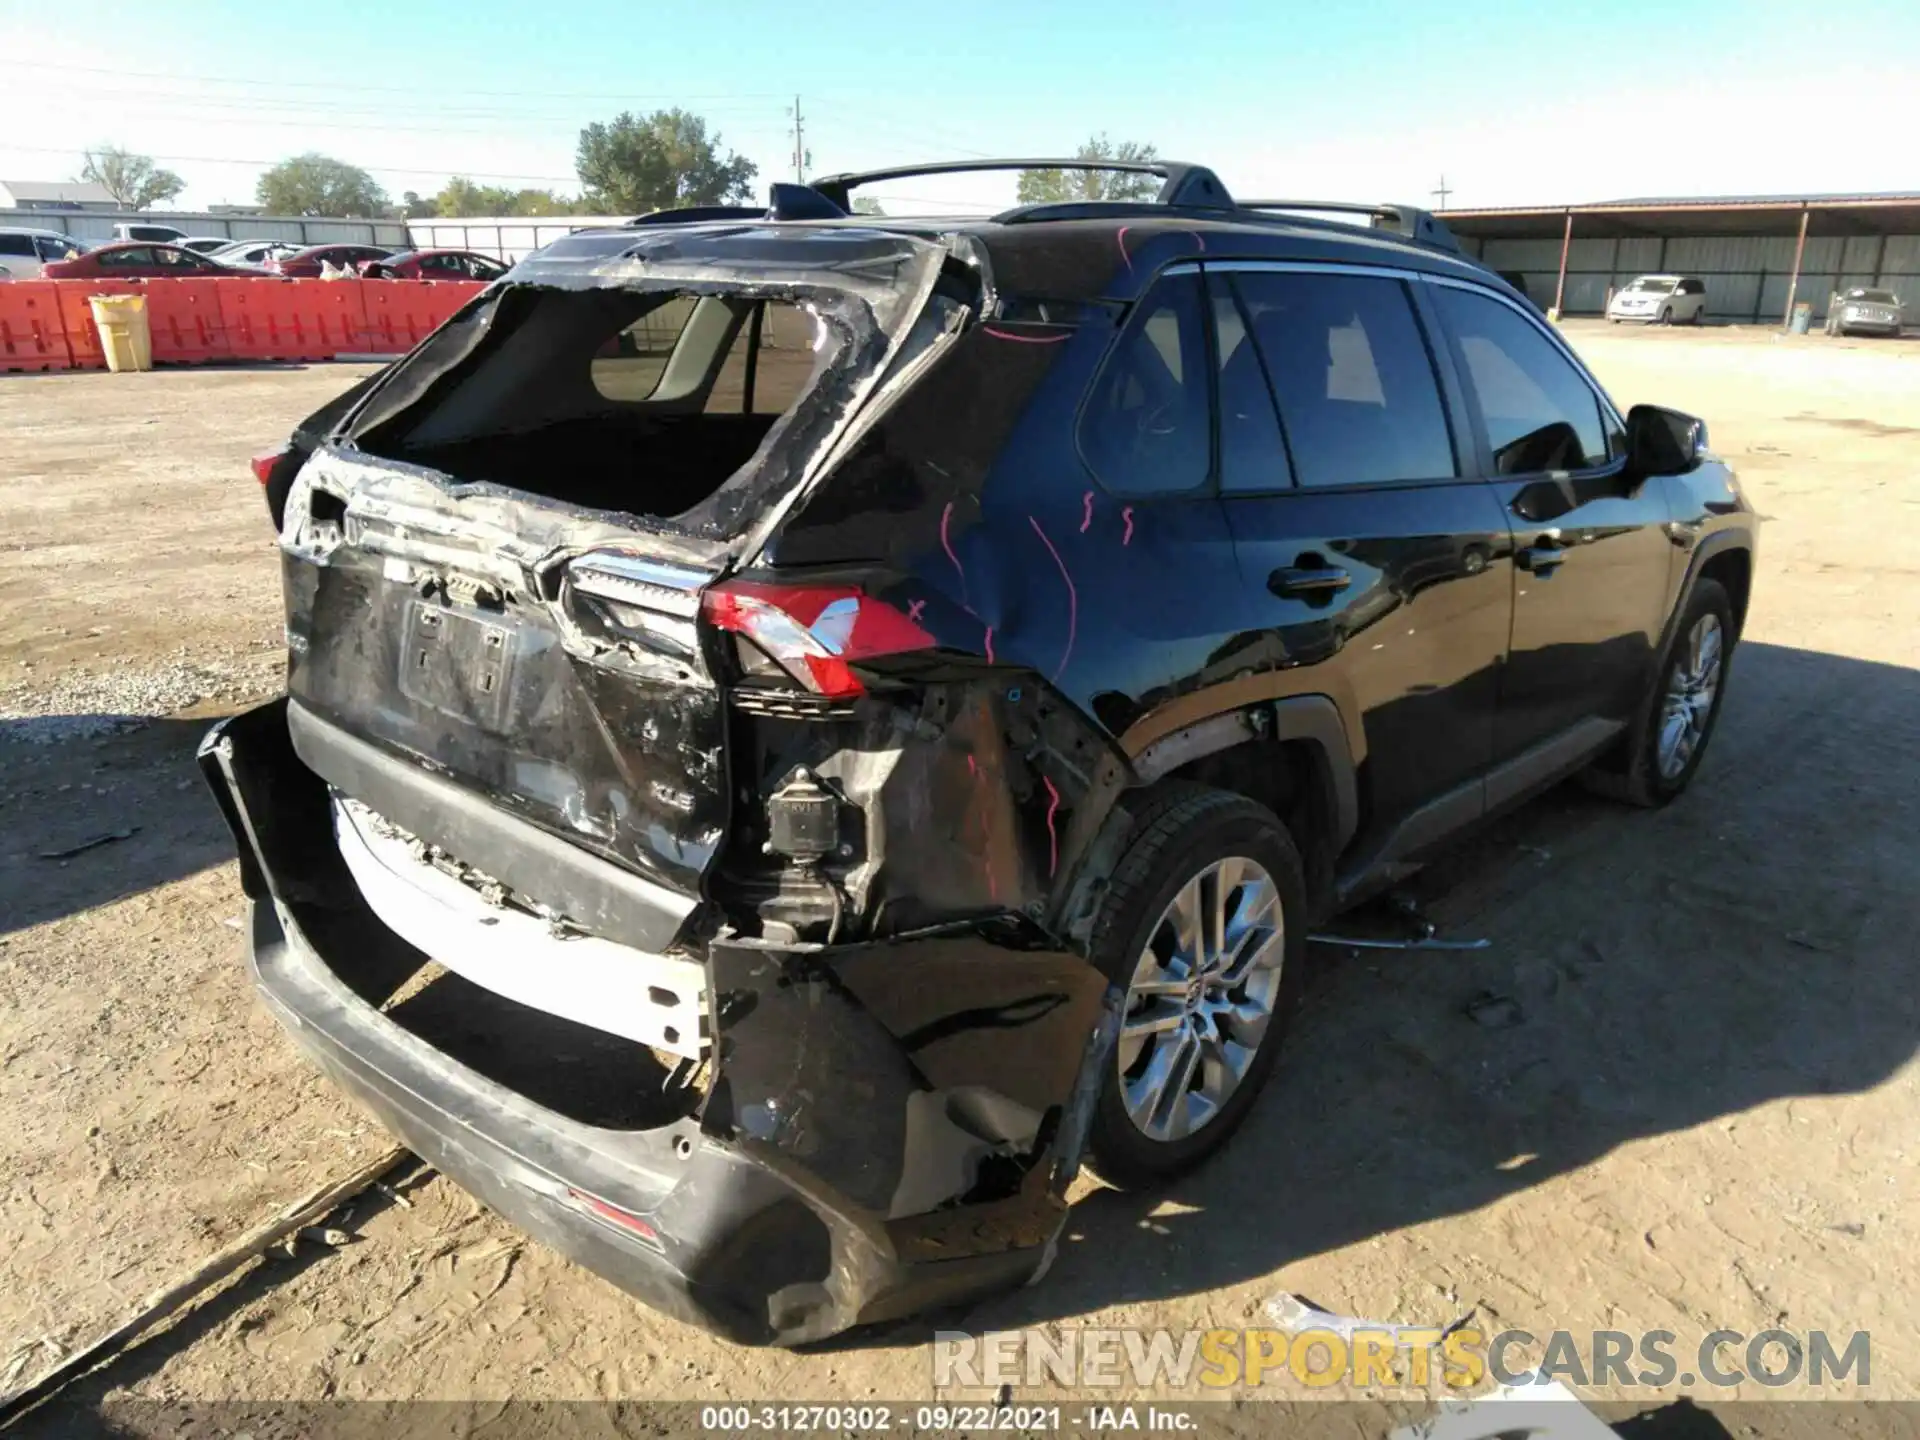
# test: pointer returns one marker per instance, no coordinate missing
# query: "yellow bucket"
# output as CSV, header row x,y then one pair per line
x,y
124,336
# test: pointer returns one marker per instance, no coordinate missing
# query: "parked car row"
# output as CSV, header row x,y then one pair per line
x,y
28,254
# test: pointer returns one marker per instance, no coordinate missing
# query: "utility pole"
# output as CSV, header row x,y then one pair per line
x,y
799,145
1442,191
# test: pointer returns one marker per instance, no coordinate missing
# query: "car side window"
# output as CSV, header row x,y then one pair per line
x,y
127,259
52,249
1359,403
1147,427
16,245
1539,413
1253,457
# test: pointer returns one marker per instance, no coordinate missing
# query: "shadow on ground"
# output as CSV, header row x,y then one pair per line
x,y
1749,943
128,777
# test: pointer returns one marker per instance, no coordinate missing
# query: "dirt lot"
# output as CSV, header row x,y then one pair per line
x,y
1703,1117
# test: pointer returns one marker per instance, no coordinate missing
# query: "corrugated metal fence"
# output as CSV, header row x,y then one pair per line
x,y
96,226
1746,275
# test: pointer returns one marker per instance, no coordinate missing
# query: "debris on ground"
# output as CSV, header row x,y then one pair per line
x,y
94,844
1295,1315
1493,1010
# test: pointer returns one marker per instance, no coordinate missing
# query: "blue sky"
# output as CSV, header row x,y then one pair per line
x,y
1514,103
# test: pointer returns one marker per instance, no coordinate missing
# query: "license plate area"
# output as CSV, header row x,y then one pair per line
x,y
459,664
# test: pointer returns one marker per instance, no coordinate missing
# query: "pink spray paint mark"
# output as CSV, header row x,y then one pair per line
x,y
1122,238
989,644
1053,837
1073,597
913,610
972,769
1025,339
1199,240
1086,511
1127,515
946,544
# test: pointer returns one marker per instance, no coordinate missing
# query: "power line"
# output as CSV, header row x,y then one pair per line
x,y
372,169
336,87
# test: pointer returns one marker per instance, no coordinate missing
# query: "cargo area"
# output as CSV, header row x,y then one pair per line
x,y
642,403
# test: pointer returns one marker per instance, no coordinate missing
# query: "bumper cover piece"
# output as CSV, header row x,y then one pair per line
x,y
752,1235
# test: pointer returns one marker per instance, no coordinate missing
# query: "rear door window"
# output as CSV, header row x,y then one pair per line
x,y
1253,457
127,259
1539,413
1351,372
17,245
1147,427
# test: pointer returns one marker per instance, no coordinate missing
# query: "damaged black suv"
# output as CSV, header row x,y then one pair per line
x,y
801,729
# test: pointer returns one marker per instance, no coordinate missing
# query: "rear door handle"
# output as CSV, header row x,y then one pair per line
x,y
1293,581
1540,559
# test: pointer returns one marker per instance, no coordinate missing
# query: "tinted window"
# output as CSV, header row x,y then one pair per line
x,y
1252,455
51,249
1352,375
126,259
1539,413
16,245
1146,428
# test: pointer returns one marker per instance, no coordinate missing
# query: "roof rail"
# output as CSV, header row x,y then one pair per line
x,y
1181,183
1407,221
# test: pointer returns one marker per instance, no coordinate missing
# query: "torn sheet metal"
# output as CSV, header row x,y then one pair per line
x,y
1295,1315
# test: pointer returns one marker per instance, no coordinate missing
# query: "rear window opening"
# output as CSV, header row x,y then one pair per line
x,y
640,402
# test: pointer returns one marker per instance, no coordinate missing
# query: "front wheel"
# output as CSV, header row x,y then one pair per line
x,y
1666,315
1205,925
1684,706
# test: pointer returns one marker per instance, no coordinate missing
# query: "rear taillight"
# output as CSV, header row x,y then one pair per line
x,y
815,633
263,464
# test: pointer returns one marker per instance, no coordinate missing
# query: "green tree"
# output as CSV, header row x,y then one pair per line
x,y
1051,187
636,164
134,181
461,196
415,206
314,184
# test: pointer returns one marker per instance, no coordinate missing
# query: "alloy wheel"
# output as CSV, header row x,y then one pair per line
x,y
1201,997
1687,705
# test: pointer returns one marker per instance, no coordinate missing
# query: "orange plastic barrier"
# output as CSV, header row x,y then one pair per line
x,y
270,319
32,334
185,318
402,313
48,324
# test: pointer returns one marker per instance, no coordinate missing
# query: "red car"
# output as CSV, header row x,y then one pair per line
x,y
141,259
305,264
434,265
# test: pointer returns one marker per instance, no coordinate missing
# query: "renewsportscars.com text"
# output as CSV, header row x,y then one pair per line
x,y
1404,1356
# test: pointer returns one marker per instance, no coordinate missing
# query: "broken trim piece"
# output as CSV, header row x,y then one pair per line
x,y
657,1000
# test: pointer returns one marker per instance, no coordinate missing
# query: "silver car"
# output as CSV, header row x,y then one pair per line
x,y
1661,299
1864,312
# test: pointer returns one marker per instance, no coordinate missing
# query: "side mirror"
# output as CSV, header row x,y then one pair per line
x,y
1663,442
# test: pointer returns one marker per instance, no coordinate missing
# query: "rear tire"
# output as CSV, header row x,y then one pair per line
x,y
1208,1003
1700,316
1683,707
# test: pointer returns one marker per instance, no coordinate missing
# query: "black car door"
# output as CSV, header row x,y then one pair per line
x,y
1591,548
1367,548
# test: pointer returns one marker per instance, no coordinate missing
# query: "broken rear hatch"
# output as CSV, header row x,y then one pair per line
x,y
493,567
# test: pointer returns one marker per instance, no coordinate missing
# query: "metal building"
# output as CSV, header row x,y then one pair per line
x,y
1759,254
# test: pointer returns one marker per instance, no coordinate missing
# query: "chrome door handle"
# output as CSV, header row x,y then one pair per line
x,y
1540,559
1294,581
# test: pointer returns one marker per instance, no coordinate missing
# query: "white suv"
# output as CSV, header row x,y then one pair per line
x,y
23,252
1667,299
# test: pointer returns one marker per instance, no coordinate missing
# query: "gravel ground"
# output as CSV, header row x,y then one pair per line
x,y
1700,1114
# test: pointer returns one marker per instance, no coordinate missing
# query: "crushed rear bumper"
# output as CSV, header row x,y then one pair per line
x,y
889,1128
